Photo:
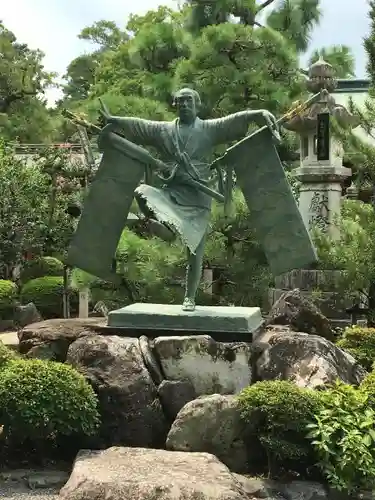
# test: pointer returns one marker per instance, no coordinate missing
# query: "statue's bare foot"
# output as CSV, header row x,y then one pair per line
x,y
188,305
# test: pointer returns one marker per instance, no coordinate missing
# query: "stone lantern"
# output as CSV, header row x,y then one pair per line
x,y
321,171
321,174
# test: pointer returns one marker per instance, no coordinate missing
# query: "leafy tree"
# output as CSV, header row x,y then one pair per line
x,y
354,252
22,194
23,113
80,75
144,64
105,34
33,203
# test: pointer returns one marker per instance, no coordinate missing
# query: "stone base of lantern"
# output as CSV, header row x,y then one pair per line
x,y
321,287
320,195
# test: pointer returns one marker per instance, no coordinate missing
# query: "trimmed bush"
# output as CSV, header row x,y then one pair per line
x,y
276,414
6,355
47,295
44,402
8,296
360,343
42,266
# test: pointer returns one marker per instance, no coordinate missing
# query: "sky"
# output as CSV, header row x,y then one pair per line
x,y
53,25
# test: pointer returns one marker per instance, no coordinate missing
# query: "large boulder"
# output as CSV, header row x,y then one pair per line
x,y
211,367
308,360
300,314
51,339
211,424
26,315
174,394
144,474
129,405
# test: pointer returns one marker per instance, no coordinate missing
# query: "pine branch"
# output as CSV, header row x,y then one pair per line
x,y
264,5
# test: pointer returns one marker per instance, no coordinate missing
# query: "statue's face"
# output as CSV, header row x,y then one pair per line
x,y
186,106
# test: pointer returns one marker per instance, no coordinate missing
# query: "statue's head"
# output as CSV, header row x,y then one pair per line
x,y
187,103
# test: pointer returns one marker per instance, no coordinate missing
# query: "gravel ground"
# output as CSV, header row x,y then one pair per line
x,y
24,484
12,492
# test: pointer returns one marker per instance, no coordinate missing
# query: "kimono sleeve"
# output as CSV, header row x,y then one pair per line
x,y
140,131
230,128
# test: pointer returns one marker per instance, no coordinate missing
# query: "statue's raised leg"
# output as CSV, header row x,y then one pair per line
x,y
193,276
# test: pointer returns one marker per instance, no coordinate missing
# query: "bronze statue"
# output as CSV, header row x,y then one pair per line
x,y
183,204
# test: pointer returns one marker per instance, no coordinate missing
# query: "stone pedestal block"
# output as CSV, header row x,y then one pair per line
x,y
226,324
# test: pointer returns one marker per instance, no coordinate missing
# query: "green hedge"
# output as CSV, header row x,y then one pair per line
x,y
8,296
6,355
42,266
276,414
47,295
360,343
42,403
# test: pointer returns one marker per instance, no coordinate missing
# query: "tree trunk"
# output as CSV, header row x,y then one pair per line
x,y
371,305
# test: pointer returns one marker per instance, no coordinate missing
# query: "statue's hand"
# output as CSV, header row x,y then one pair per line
x,y
105,117
271,123
268,118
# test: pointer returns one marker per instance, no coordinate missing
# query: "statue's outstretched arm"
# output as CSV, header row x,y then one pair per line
x,y
235,126
137,130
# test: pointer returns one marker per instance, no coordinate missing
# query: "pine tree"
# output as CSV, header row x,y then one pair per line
x,y
369,43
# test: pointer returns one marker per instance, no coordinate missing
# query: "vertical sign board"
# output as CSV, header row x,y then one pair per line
x,y
323,137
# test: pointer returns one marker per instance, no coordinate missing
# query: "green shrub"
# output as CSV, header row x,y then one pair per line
x,y
360,343
42,266
45,401
8,291
6,355
276,414
368,387
8,296
111,295
343,436
47,295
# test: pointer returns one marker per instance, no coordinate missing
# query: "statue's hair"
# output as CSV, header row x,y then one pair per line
x,y
186,90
